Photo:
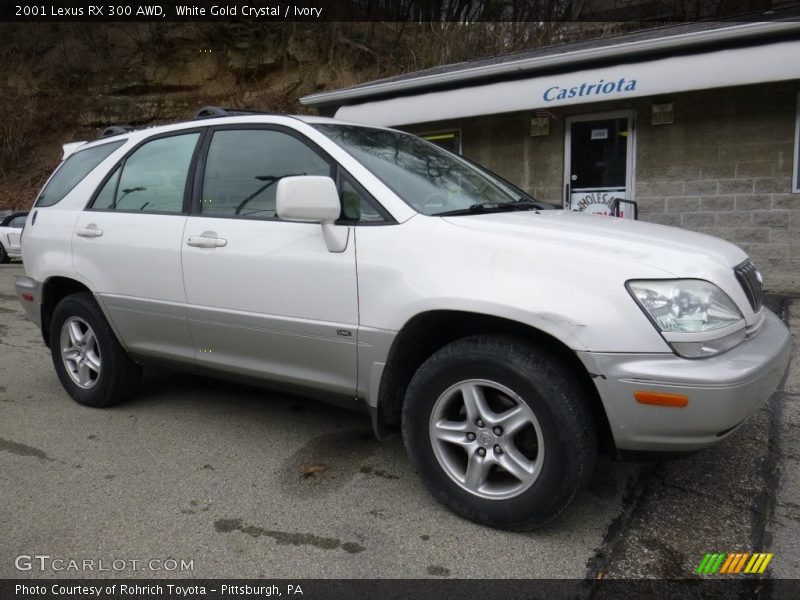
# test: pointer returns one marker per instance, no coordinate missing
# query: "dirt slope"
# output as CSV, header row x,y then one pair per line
x,y
68,81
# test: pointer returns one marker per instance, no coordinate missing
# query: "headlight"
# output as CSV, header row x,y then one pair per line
x,y
695,317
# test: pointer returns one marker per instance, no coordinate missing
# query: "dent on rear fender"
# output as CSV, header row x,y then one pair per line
x,y
109,317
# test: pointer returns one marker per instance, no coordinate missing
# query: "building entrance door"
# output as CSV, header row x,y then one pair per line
x,y
598,163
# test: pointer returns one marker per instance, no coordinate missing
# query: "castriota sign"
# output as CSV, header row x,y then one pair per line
x,y
669,75
598,88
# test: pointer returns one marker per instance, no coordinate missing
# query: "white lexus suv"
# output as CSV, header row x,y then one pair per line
x,y
368,267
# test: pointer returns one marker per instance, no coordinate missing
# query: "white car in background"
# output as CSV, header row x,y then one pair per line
x,y
370,268
10,234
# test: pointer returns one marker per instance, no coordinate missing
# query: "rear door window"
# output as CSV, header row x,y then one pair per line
x,y
72,171
152,179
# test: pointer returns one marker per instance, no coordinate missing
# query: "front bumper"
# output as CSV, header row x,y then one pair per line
x,y
723,390
29,294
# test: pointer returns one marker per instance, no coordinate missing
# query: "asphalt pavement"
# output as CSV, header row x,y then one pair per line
x,y
238,482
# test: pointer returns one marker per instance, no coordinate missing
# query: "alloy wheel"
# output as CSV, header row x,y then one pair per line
x,y
80,352
487,439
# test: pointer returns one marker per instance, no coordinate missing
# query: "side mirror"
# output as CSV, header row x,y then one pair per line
x,y
308,198
313,199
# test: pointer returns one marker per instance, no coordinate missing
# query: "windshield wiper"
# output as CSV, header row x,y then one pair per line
x,y
125,192
270,180
489,207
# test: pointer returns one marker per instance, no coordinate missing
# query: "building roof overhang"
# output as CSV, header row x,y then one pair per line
x,y
682,62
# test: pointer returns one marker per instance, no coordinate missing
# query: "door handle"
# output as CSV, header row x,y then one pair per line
x,y
202,241
89,232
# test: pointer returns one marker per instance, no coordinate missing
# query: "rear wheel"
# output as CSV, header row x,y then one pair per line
x,y
499,431
90,362
4,258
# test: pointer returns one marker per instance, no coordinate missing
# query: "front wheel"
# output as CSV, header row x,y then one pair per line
x,y
4,257
499,431
89,360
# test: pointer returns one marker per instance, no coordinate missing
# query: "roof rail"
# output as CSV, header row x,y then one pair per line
x,y
115,130
211,112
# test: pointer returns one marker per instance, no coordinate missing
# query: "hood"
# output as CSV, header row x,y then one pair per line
x,y
676,252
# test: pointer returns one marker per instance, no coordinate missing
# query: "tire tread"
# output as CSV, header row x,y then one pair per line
x,y
526,358
120,375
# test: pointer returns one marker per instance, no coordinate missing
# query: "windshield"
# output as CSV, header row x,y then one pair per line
x,y
430,179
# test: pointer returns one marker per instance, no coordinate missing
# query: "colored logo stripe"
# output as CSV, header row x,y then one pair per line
x,y
703,563
728,562
758,563
738,566
710,563
736,562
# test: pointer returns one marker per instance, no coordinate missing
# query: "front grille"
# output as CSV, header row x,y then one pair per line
x,y
750,280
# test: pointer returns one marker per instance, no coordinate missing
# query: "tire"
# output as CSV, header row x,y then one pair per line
x,y
549,441
4,258
108,375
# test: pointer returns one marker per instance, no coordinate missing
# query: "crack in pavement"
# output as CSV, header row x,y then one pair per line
x,y
286,538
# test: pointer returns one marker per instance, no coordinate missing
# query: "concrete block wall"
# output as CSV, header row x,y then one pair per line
x,y
724,167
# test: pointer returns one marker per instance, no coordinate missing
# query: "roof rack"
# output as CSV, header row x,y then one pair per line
x,y
211,112
115,130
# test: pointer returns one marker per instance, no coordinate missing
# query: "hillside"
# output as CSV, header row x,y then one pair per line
x,y
67,81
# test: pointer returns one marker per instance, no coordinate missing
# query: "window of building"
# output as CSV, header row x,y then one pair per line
x,y
73,170
152,179
796,174
449,140
244,166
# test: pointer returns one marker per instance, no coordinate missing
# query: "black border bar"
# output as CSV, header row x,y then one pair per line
x,y
398,589
276,11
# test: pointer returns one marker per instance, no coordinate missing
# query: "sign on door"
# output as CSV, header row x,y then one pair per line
x,y
598,165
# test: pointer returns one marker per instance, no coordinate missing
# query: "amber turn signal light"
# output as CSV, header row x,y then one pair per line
x,y
661,399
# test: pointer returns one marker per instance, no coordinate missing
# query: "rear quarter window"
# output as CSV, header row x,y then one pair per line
x,y
72,171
